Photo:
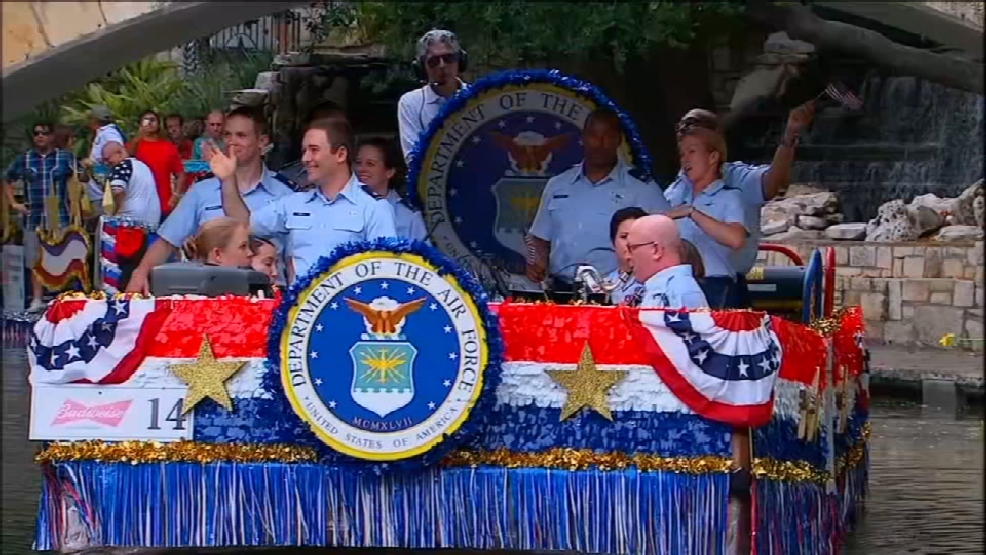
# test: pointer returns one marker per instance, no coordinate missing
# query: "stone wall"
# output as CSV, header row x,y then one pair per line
x,y
910,293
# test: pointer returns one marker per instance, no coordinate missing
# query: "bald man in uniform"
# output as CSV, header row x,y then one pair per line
x,y
655,252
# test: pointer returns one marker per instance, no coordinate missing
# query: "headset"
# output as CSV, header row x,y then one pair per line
x,y
419,63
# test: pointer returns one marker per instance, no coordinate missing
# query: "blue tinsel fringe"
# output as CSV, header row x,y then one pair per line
x,y
227,504
282,409
641,157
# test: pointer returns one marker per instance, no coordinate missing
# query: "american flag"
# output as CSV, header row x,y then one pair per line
x,y
841,94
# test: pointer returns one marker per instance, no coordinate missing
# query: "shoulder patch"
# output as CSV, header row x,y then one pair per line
x,y
369,191
290,184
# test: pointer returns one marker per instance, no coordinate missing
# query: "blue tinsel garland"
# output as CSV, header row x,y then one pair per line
x,y
282,409
516,77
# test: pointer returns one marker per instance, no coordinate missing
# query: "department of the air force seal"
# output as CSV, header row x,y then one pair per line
x,y
484,162
383,356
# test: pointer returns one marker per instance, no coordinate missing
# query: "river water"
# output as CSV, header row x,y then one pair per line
x,y
926,482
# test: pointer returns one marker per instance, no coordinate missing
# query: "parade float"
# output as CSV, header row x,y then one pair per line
x,y
385,401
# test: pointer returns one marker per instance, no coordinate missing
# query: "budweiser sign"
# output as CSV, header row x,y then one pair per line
x,y
109,414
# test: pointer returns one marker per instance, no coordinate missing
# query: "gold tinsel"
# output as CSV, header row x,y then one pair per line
x,y
574,459
136,452
98,295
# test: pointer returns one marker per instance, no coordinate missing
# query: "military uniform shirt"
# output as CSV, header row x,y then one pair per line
x,y
574,216
716,201
407,221
673,287
748,180
204,202
316,225
627,292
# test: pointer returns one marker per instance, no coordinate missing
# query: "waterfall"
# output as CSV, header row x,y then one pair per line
x,y
912,137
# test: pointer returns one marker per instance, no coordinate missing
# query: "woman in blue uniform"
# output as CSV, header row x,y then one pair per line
x,y
628,291
376,165
708,214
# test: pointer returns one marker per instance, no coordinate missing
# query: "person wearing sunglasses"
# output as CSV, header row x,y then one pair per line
x,y
655,248
757,184
440,60
45,171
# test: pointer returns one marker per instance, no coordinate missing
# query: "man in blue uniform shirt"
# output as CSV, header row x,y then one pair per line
x,y
572,222
757,184
246,137
337,210
655,251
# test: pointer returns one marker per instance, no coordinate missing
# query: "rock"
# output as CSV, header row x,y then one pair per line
x,y
957,233
892,224
924,219
965,206
815,204
812,222
846,232
943,206
979,211
770,227
266,80
796,234
774,221
798,189
833,219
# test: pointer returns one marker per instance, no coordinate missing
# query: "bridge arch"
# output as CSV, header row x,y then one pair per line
x,y
49,48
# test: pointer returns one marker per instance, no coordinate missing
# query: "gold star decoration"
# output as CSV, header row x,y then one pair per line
x,y
587,386
206,377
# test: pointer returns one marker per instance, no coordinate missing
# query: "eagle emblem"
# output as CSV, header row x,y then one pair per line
x,y
384,317
529,152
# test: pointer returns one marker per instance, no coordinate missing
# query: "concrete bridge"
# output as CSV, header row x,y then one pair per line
x,y
50,48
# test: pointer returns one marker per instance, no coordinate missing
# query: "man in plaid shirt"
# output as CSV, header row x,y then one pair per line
x,y
45,172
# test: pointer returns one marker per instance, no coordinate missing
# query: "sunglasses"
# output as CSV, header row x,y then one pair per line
x,y
633,247
40,133
691,122
450,58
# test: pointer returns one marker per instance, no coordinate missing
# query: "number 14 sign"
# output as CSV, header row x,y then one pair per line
x,y
112,413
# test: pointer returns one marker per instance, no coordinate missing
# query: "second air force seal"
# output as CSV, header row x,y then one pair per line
x,y
481,167
383,355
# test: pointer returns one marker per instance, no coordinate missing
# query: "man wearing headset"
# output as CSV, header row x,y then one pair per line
x,y
440,60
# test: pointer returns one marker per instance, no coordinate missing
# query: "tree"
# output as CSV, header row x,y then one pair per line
x,y
517,34
800,23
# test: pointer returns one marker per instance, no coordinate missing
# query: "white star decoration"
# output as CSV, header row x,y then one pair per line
x,y
475,139
702,355
742,368
332,404
474,244
433,306
318,381
453,192
457,219
72,352
92,341
448,329
318,327
314,354
410,290
501,124
447,383
334,306
357,290
765,364
452,356
384,285
557,125
431,406
530,119
459,163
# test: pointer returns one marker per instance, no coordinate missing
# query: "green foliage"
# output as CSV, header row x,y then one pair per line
x,y
149,83
512,34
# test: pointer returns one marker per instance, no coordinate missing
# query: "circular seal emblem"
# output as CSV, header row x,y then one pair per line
x,y
384,354
481,167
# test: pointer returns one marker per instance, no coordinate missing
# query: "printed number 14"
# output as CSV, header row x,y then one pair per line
x,y
174,415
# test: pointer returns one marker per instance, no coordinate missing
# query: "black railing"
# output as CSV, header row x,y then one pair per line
x,y
278,33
